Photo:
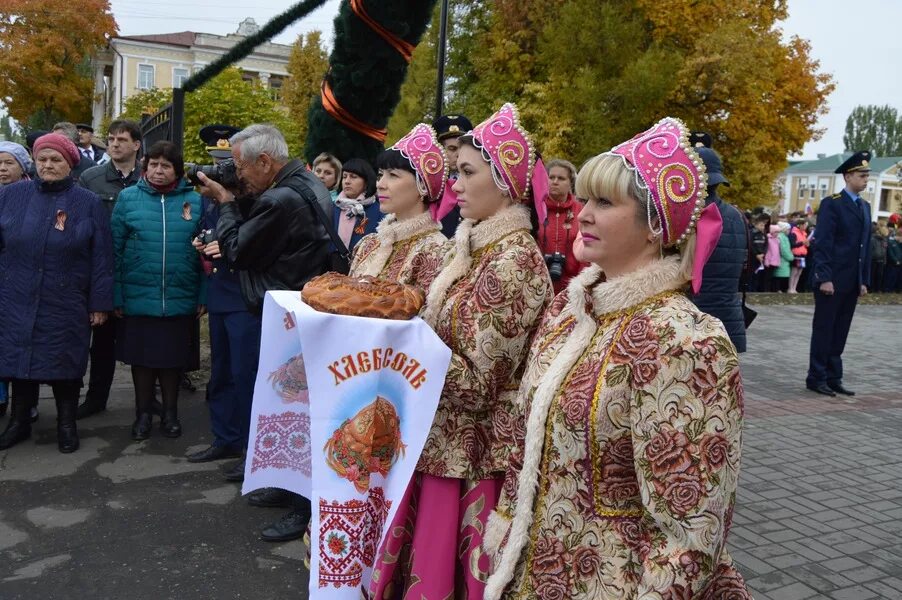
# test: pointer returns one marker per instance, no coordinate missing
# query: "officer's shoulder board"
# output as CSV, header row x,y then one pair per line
x,y
837,196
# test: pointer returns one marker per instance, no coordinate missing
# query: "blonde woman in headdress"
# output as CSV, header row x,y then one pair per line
x,y
485,305
624,483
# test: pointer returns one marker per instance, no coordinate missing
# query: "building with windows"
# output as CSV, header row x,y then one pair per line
x,y
807,182
141,62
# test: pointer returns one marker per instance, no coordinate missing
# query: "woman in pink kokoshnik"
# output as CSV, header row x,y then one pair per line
x,y
624,477
485,304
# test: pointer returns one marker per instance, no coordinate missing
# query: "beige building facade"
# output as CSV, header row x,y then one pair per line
x,y
131,64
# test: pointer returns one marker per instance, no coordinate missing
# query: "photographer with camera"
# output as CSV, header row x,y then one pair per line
x,y
558,232
234,331
280,244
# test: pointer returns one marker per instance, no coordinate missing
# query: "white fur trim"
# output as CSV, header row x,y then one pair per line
x,y
633,288
389,232
471,235
535,437
616,294
495,529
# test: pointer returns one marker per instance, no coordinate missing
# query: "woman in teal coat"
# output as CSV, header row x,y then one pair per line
x,y
782,272
159,283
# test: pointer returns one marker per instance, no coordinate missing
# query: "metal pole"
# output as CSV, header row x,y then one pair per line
x,y
440,83
177,120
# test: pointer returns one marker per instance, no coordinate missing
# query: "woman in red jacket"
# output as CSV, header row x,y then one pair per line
x,y
558,232
798,240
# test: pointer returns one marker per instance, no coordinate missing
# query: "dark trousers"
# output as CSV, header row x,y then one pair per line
x,y
829,331
877,270
892,280
103,363
25,395
234,354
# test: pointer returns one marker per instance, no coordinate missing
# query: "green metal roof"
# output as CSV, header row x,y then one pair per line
x,y
830,164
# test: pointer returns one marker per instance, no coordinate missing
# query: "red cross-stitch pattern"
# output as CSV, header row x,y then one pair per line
x,y
349,533
283,442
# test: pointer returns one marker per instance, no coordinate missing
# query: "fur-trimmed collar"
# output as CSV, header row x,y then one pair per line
x,y
389,232
496,227
472,236
625,291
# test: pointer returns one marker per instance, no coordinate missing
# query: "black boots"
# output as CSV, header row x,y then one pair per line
x,y
66,432
19,426
170,425
141,426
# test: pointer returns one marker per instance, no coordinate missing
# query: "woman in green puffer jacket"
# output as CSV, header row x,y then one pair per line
x,y
160,287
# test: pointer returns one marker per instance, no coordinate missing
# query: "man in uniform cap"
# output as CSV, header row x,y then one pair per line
x,y
216,137
448,129
842,244
85,144
700,139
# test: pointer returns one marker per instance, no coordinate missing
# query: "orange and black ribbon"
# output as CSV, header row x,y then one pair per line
x,y
404,48
340,114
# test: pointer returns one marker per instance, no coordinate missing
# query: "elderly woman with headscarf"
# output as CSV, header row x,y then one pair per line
x,y
56,257
14,165
624,478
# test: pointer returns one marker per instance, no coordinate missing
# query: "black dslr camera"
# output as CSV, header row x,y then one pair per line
x,y
555,264
223,172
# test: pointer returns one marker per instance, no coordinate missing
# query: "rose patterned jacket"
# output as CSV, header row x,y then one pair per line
x,y
485,305
409,252
624,482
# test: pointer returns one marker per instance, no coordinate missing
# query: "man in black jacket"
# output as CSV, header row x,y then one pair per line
x,y
719,294
121,171
282,244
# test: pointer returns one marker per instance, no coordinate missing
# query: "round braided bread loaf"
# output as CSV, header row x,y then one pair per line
x,y
363,297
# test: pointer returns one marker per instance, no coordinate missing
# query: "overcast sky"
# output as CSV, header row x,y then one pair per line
x,y
859,47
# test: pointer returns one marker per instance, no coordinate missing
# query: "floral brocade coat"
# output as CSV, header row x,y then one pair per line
x,y
409,252
624,483
486,304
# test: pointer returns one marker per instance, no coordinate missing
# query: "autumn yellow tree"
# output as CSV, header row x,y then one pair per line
x,y
589,74
45,51
307,65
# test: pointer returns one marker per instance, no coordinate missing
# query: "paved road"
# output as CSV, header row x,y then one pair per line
x,y
819,512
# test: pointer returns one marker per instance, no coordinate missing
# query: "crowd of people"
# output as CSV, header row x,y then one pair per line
x,y
574,304
783,251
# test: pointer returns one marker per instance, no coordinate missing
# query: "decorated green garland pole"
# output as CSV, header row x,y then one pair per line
x,y
374,41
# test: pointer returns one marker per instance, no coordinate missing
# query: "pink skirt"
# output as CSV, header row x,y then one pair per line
x,y
433,549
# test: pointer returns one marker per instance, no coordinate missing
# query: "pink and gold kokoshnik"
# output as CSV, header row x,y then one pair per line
x,y
670,169
427,158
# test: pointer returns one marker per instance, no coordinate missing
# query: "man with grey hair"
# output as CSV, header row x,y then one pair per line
x,y
277,240
71,131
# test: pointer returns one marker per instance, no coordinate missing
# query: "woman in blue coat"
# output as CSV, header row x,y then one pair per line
x,y
159,283
56,282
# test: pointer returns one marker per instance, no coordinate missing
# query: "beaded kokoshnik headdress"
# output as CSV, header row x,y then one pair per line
x,y
427,158
509,149
669,169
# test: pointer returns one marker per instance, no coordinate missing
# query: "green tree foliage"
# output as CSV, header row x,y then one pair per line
x,y
874,128
418,91
590,74
45,51
307,65
227,98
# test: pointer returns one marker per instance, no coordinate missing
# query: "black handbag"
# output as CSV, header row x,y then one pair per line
x,y
748,314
